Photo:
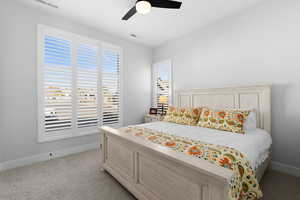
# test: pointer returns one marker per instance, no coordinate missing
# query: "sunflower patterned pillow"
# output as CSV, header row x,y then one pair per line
x,y
186,116
224,120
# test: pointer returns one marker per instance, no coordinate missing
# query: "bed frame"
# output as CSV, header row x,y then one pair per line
x,y
153,172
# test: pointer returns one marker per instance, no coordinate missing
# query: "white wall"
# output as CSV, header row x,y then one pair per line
x,y
260,45
18,113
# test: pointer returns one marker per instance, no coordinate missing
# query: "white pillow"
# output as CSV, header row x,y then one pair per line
x,y
250,122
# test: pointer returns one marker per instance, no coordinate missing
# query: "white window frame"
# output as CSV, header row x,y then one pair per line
x,y
153,82
43,30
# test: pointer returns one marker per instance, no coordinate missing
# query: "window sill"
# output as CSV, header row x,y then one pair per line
x,y
42,138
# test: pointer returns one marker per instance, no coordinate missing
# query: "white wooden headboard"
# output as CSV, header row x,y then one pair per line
x,y
241,97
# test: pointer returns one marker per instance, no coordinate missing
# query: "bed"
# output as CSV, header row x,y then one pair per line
x,y
150,171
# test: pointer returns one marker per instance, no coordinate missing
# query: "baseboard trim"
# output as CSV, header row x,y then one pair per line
x,y
284,168
45,156
277,166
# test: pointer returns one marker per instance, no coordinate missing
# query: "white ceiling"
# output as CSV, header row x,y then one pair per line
x,y
153,29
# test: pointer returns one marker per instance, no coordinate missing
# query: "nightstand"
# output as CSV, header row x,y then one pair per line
x,y
153,118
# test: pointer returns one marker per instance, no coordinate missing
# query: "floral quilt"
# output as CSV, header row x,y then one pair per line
x,y
243,184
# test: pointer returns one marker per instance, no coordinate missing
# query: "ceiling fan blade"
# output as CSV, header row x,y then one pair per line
x,y
165,4
130,13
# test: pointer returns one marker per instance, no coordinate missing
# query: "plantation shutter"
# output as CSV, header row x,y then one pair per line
x,y
162,95
162,78
78,84
87,86
57,84
110,86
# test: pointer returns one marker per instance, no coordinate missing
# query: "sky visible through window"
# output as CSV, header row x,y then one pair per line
x,y
57,51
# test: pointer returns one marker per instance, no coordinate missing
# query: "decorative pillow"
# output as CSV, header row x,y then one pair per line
x,y
186,116
225,120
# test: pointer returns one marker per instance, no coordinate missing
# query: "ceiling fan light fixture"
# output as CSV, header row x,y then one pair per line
x,y
143,7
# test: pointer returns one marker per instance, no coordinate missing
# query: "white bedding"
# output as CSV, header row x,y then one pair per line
x,y
254,144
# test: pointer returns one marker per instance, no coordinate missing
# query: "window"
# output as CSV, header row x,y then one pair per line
x,y
162,85
78,84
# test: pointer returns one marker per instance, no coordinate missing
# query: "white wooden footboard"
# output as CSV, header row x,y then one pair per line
x,y
153,172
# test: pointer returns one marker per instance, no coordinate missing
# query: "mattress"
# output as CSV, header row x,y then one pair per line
x,y
254,144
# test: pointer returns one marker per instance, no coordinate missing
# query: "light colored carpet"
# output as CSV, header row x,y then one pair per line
x,y
77,177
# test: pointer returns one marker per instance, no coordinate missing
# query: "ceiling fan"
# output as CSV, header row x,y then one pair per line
x,y
144,6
